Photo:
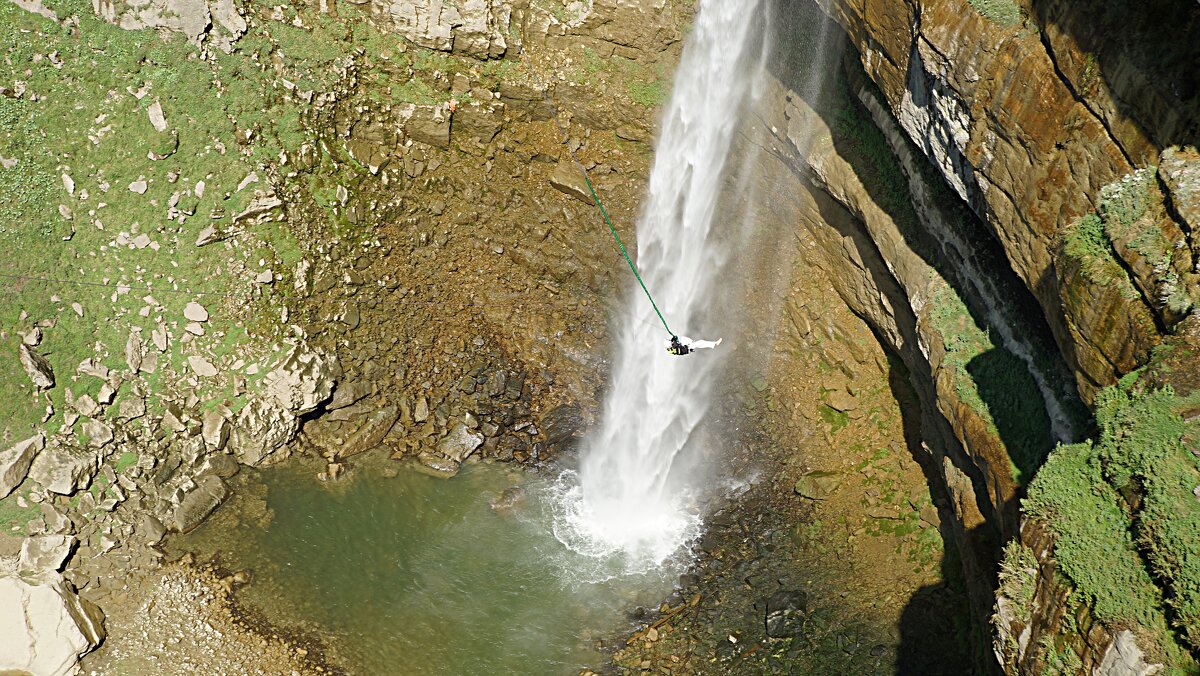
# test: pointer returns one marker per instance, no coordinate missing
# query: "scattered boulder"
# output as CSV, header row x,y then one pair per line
x,y
86,406
348,393
98,433
157,119
478,120
436,465
131,408
201,366
151,528
569,179
421,410
40,553
37,367
786,611
195,312
198,503
841,400
263,427
63,470
133,351
45,625
260,208
302,381
427,124
214,430
371,433
159,336
561,423
460,443
15,462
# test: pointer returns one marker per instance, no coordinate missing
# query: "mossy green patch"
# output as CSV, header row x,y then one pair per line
x,y
995,383
1124,512
1001,12
101,227
14,517
834,418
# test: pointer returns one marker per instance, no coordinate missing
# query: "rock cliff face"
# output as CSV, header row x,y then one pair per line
x,y
1056,128
1028,125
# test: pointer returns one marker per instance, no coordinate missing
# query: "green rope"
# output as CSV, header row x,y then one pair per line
x,y
625,253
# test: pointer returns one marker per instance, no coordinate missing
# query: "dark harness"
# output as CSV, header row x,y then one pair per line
x,y
677,348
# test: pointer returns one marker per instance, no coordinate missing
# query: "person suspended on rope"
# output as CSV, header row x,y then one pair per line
x,y
681,345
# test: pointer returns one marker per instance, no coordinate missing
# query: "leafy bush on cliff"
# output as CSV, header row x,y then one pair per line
x,y
1125,516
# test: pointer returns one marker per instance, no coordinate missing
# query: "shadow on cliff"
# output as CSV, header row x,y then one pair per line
x,y
935,626
988,509
1144,53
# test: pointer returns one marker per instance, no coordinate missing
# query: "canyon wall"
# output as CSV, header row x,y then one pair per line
x,y
1055,127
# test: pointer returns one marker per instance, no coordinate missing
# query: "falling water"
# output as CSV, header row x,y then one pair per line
x,y
626,500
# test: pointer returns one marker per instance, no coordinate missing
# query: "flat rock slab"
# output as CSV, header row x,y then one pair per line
x,y
15,462
209,493
818,485
46,626
568,178
37,367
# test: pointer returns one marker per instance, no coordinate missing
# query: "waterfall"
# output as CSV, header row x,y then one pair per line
x,y
627,500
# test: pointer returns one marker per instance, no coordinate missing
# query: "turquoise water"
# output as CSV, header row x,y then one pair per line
x,y
417,575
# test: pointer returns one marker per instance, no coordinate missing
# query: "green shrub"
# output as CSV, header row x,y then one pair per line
x,y
1115,555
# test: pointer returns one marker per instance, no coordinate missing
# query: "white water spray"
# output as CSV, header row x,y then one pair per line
x,y
626,501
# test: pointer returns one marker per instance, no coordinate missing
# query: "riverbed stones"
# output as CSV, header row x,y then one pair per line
x,y
785,613
45,625
36,367
15,462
